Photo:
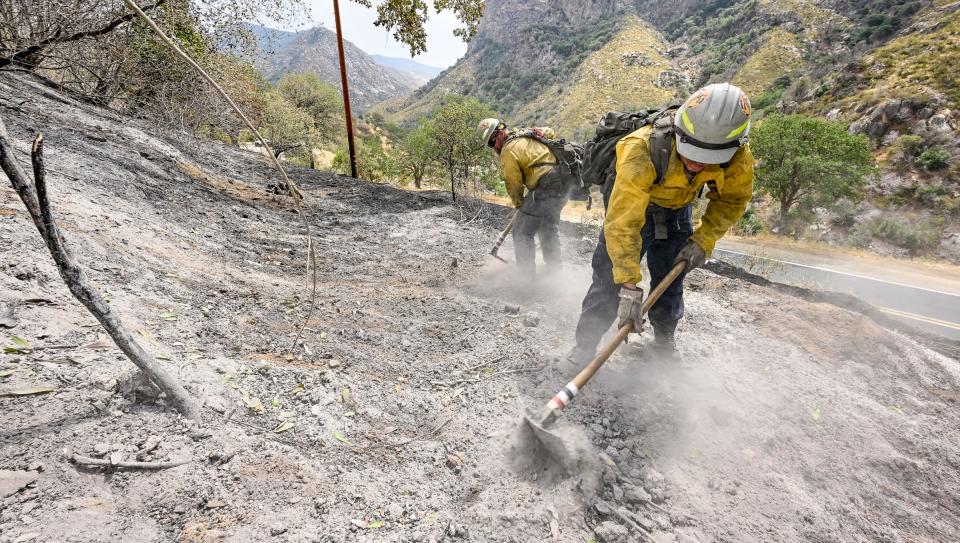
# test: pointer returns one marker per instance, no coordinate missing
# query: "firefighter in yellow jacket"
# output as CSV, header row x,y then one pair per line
x,y
710,154
536,185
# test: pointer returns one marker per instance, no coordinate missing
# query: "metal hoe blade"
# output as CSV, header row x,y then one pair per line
x,y
547,441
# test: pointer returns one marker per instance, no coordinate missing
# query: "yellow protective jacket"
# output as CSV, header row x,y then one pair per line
x,y
524,161
729,192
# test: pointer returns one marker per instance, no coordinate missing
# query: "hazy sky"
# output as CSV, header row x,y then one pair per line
x,y
443,48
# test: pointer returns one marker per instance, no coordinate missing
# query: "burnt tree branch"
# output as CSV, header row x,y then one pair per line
x,y
28,57
35,198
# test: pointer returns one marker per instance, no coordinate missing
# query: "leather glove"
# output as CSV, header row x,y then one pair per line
x,y
692,254
629,308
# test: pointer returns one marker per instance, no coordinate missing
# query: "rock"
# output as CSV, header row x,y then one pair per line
x,y
277,529
8,318
531,321
611,532
658,495
617,492
215,504
511,309
890,137
793,27
100,450
636,495
652,478
138,388
458,531
12,481
150,444
941,123
394,510
834,114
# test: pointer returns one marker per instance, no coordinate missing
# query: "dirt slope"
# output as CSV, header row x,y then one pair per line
x,y
787,421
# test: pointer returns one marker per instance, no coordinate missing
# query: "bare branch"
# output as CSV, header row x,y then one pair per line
x,y
25,57
36,200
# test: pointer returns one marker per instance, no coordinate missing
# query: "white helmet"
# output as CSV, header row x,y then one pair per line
x,y
486,128
713,123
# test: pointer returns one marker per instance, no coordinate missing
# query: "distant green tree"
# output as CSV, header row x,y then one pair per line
x,y
417,151
455,140
804,162
286,126
320,100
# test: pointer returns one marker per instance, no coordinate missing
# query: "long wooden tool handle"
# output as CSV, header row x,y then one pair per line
x,y
505,233
562,398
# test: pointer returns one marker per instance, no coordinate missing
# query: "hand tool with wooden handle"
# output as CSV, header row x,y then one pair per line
x,y
503,236
555,406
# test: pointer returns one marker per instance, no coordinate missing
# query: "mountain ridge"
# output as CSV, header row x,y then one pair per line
x,y
314,51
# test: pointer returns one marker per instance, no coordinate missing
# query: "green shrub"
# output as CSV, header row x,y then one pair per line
x,y
916,237
749,224
845,212
934,159
860,236
904,151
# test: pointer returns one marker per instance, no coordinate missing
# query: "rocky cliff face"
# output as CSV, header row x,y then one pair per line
x,y
505,22
315,51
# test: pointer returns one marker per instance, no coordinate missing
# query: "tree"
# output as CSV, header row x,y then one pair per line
x,y
456,144
320,100
285,125
406,19
804,162
417,151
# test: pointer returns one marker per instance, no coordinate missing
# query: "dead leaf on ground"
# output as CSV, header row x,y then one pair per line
x,y
283,426
339,437
102,342
375,524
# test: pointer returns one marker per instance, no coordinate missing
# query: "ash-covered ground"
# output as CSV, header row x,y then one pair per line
x,y
394,418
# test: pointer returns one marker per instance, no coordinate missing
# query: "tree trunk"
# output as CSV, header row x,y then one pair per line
x,y
417,180
785,206
453,183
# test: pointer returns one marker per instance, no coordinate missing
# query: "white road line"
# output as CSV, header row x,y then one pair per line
x,y
797,264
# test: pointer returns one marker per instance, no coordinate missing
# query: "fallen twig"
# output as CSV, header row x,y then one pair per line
x,y
34,197
87,461
482,364
632,524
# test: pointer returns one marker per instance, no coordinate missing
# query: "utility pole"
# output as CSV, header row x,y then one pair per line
x,y
346,92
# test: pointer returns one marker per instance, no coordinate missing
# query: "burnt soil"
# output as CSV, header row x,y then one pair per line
x,y
394,418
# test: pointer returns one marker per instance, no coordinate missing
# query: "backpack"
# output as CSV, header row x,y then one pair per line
x,y
569,155
600,153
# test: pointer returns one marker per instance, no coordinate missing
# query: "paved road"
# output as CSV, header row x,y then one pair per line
x,y
933,310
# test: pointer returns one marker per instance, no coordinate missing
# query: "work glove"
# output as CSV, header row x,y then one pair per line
x,y
629,308
692,254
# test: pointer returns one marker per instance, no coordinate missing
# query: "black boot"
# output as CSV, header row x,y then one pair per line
x,y
664,337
